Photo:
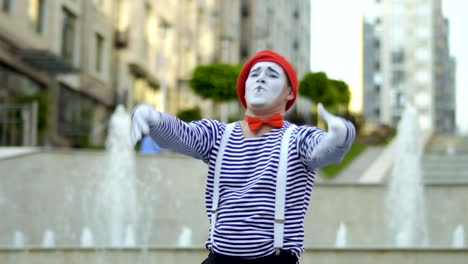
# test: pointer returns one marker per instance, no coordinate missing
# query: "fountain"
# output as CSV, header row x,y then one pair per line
x,y
185,237
451,150
405,206
458,237
48,240
341,238
117,205
130,239
86,237
18,239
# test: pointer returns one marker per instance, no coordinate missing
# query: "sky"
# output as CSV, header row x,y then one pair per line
x,y
457,13
336,40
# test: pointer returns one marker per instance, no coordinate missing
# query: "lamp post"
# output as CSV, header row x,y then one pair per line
x,y
225,58
164,26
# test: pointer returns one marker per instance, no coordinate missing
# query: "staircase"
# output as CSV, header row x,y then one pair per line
x,y
445,159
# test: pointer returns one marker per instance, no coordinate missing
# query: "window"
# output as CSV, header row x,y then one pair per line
x,y
75,116
37,14
377,66
68,35
6,6
398,76
376,112
245,9
398,57
378,79
377,43
423,77
296,14
423,55
377,88
99,42
296,45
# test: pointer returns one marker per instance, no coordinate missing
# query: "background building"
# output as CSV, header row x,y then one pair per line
x,y
86,57
279,25
45,52
413,64
372,79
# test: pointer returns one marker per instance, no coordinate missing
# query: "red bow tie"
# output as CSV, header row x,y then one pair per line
x,y
256,123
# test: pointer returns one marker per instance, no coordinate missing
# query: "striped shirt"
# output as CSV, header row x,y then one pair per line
x,y
246,209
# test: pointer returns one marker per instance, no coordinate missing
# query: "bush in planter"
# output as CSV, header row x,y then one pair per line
x,y
190,114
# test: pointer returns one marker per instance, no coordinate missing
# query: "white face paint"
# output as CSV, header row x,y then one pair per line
x,y
264,84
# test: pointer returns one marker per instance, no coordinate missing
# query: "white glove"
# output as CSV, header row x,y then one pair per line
x,y
336,125
334,144
143,117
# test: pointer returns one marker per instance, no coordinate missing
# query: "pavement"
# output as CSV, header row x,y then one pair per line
x,y
444,160
372,166
351,174
369,167
11,152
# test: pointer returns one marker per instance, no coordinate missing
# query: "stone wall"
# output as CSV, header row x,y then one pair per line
x,y
197,255
48,199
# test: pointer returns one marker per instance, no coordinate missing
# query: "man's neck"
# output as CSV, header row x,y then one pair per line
x,y
262,114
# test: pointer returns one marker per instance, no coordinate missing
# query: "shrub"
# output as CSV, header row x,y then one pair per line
x,y
190,114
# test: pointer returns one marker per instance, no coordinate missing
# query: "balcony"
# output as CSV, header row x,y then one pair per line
x,y
46,60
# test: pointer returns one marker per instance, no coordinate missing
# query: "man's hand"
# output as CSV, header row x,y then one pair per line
x,y
143,117
334,144
336,125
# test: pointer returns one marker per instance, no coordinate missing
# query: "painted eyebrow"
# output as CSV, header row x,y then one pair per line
x,y
255,70
269,68
273,70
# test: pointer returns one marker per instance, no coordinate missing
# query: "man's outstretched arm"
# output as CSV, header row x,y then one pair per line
x,y
333,145
194,138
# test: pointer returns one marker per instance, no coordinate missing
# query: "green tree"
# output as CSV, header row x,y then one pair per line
x,y
190,114
318,88
216,81
343,94
314,86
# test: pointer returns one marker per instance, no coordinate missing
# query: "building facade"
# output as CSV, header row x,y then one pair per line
x,y
372,75
412,65
86,57
43,45
280,25
444,79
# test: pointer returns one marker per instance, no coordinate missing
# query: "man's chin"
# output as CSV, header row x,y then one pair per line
x,y
257,104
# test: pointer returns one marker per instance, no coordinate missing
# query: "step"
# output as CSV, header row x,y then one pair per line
x,y
441,166
451,174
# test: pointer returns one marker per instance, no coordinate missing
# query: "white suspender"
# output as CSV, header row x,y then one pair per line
x,y
217,173
280,198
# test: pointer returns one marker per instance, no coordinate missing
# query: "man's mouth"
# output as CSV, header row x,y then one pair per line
x,y
259,88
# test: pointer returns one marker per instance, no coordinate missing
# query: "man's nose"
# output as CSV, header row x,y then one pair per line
x,y
261,78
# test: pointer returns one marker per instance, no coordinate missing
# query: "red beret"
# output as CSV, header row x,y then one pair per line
x,y
270,56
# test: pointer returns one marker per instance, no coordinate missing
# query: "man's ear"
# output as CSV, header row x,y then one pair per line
x,y
290,95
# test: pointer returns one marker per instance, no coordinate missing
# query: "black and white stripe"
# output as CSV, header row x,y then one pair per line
x,y
244,226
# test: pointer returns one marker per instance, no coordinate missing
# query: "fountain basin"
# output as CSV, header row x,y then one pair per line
x,y
51,194
197,255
